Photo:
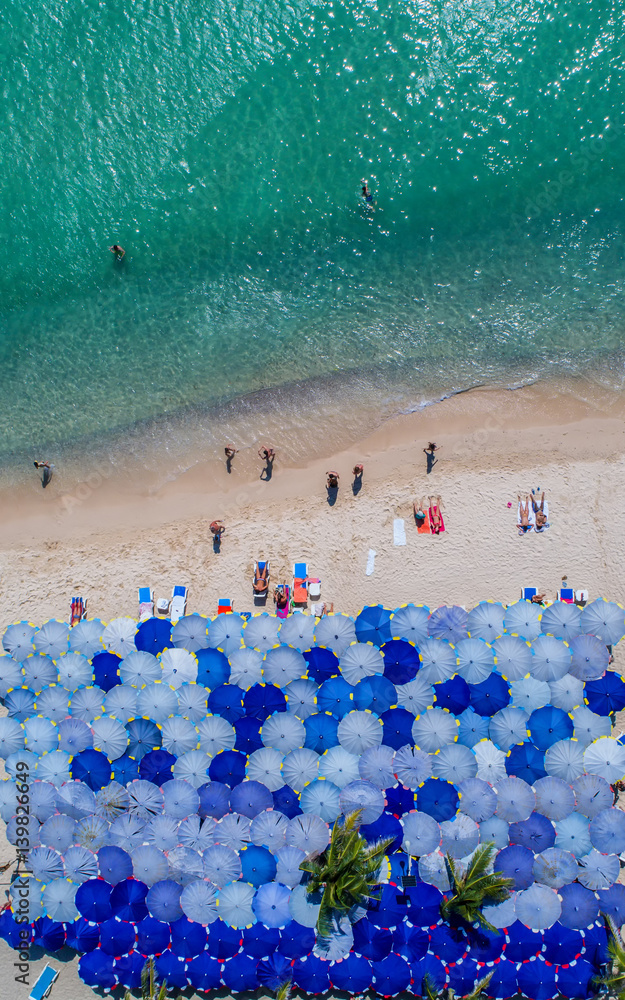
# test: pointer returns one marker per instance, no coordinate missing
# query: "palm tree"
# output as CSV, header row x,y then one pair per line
x,y
284,990
612,981
149,988
346,872
448,994
475,888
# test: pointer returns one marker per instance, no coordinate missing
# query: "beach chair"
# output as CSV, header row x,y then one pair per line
x,y
314,588
283,612
260,598
178,605
45,981
581,597
78,610
146,603
300,581
566,594
527,593
224,606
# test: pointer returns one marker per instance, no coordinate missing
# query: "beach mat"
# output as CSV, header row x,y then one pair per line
x,y
442,523
399,531
424,529
370,562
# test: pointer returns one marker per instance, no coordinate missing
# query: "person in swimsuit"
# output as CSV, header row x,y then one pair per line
x,y
118,251
436,521
280,598
333,480
366,194
429,454
46,472
419,513
230,451
261,581
358,471
524,516
218,529
539,511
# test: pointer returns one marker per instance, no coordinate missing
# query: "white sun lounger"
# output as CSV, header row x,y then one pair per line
x,y
146,603
44,983
178,604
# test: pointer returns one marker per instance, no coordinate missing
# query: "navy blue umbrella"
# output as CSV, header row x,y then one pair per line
x,y
429,967
575,980
376,693
516,863
596,942
438,799
374,943
336,696
297,941
49,934
204,973
286,801
312,974
354,973
114,864
227,701
128,900
463,976
172,968
259,941
526,761
607,695
214,799
580,907
503,981
249,798
490,695
262,700
390,909
154,635
537,980
143,736
153,936
228,767
106,670
157,766
163,900
399,800
548,725
258,865
274,971
453,694
117,937
536,833
125,769
373,624
223,941
401,661
188,939
96,969
82,935
397,727
562,945
128,969
410,942
385,826
93,900
248,735
93,767
391,975
321,732
612,902
424,905
486,946
450,944
322,663
17,935
522,943
240,973
213,668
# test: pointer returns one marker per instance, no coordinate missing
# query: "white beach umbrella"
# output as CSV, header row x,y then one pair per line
x,y
283,664
121,703
215,734
555,867
523,618
119,636
288,870
178,667
439,660
508,726
460,836
234,904
555,798
538,907
192,702
268,829
495,831
562,620
139,668
565,759
298,630
304,908
360,660
502,915
87,703
491,761
485,621
38,672
376,765
18,640
602,618
157,701
283,731
592,794
514,656
52,638
265,765
58,900
454,763
567,693
179,735
416,695
335,631
198,900
363,795
410,621
75,671
590,657
434,728
299,767
477,799
80,864
86,637
529,694
605,757
339,766
412,766
261,631
432,869
587,726
192,766
246,667
421,833
149,864
321,798
308,832
301,698
552,658
476,660
233,831
598,871
190,632
224,632
515,799
197,833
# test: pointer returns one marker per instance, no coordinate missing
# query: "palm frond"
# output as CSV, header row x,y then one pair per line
x,y
475,888
479,988
284,990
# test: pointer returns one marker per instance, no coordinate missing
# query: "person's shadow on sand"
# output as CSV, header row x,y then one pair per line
x,y
357,485
267,472
333,492
431,460
216,544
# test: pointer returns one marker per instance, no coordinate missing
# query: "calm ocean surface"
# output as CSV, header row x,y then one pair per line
x,y
224,150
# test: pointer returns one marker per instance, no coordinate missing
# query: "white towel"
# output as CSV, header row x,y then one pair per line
x,y
399,531
546,513
370,562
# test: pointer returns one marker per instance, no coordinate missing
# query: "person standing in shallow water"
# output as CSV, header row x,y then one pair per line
x,y
46,472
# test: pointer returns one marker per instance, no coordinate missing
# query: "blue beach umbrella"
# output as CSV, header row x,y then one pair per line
x,y
128,900
401,660
552,658
454,763
53,703
572,834
490,696
301,697
81,935
204,973
580,907
496,830
605,619
396,728
75,799
250,798
476,660
258,865
590,657
562,945
93,900
117,937
517,863
12,736
599,871
525,761
514,656
45,863
336,696
149,864
410,621
375,693
460,836
52,638
477,798
606,695
565,760
428,971
125,769
433,729
188,939
240,973
322,664
373,625
554,798
80,864
438,799
228,767
110,737
271,904
179,735
190,632
364,796
261,942
247,735
128,969
424,905
592,794
143,736
227,701
607,831
535,833
386,827
376,765
391,975
93,767
485,620
463,976
283,664
438,660
503,981
410,942
274,971
180,798
612,902
399,799
448,623
114,864
453,694
562,620
537,980
472,727
172,968
421,833
296,941
548,725
354,973
39,672
11,675
224,632
96,969
214,799
106,670
515,799
18,640
412,766
157,766
538,908
311,974
588,726
163,901
87,704
20,703
577,979
154,635
508,727
263,700
261,631
213,668
523,618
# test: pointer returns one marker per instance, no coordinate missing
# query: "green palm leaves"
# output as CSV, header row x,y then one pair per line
x,y
149,988
476,888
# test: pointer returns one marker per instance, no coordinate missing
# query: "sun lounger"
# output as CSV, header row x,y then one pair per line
x,y
283,612
224,606
146,603
78,610
44,983
314,588
567,595
300,582
260,596
527,593
431,520
581,597
178,604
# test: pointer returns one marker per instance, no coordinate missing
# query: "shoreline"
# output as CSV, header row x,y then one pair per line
x,y
112,534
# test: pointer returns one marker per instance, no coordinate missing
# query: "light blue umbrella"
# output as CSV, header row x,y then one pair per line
x,y
514,656
75,799
52,638
11,675
246,667
20,703
86,637
18,640
515,799
74,736
309,833
75,671
265,765
448,622
321,798
179,735
562,620
180,798
224,632
163,901
80,864
416,695
93,833
434,728
157,701
454,763
45,863
365,796
190,632
460,836
410,621
234,904
486,621
301,698
193,767
288,869
161,832
494,830
530,694
607,831
360,660
588,726
178,666
121,703
12,736
261,631
572,834
340,767
555,798
538,907
555,867
192,702
438,660
605,619
221,865
421,833
39,672
112,801
271,905
567,693
127,832
299,767
476,660
509,726
565,760
268,829
472,727
284,732
28,890
215,734
598,871
184,865
336,632
144,799
477,799
412,766
198,900
552,658
376,765
87,704
54,767
58,832
433,870
149,864
119,636
298,630
523,618
592,794
139,668
197,833
357,731
502,915
53,703
58,900
590,657
42,800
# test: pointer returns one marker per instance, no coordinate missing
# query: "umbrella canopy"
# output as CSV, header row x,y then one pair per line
x,y
508,727
75,799
535,833
12,736
485,621
271,905
144,799
309,833
517,863
192,767
605,757
523,618
412,766
42,799
562,620
198,900
163,901
438,660
20,703
433,729
607,831
527,762
580,906
491,764
460,836
93,900
477,799
322,664
410,621
359,731
335,631
453,694
454,763
154,635
87,703
11,674
605,619
86,637
401,660
283,664
572,835
250,798
567,692
262,700
373,624
338,766
283,732
215,734
192,702
214,668
120,703
190,632
365,796
119,636
438,799
224,632
588,726
143,736
590,657
476,660
97,969
234,904
448,623
149,864
298,630
157,701
490,696
18,640
554,798
555,867
246,668
415,696
360,660
52,638
204,973
162,832
179,735
45,863
537,907
110,737
261,631
233,831
106,670
301,698
592,794
265,766
299,767
433,870
126,831
598,871
514,656
288,870
38,672
180,798
515,799
606,695
530,694
91,832
552,658
93,767
268,830
221,865
128,900
214,799
376,765
565,760
58,900
196,833
178,666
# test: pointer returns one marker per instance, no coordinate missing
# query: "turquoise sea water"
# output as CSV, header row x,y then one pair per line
x,y
223,146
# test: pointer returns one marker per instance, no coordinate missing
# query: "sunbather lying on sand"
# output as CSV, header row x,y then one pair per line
x,y
539,511
418,508
436,521
524,516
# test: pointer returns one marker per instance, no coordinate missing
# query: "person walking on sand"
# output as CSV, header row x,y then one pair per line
x,y
429,454
119,252
218,529
230,451
333,480
268,455
358,471
46,472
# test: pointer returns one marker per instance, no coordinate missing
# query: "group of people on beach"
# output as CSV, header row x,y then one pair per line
x,y
532,513
332,481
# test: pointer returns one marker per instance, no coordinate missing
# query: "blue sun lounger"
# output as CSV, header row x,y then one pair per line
x,y
44,983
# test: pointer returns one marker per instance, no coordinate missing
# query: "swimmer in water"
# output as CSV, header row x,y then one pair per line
x,y
366,194
118,251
